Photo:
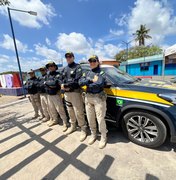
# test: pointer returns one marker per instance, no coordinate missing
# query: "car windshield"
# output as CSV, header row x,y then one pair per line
x,y
117,76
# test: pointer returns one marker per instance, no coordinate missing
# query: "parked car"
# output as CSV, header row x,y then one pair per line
x,y
145,110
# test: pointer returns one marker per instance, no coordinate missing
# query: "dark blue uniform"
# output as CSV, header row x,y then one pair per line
x,y
41,84
43,96
74,102
95,103
52,83
31,85
71,75
93,87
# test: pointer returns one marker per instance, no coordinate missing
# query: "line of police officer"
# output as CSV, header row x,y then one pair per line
x,y
45,95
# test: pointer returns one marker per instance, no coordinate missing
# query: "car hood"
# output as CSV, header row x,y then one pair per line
x,y
153,86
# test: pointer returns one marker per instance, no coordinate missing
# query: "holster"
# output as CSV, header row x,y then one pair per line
x,y
103,96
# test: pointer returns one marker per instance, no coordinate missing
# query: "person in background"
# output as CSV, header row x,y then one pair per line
x,y
43,94
95,100
31,87
74,102
55,103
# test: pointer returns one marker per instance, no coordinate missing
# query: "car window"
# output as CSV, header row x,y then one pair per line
x,y
113,74
117,76
85,68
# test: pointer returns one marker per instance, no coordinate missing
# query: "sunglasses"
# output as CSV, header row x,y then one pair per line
x,y
92,61
51,65
68,57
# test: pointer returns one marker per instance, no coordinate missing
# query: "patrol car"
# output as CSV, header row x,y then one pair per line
x,y
145,110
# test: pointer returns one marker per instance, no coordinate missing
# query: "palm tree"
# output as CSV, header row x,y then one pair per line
x,y
4,2
142,34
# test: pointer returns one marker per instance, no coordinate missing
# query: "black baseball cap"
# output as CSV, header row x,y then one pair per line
x,y
69,53
94,57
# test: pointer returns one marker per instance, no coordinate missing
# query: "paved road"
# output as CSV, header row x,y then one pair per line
x,y
31,150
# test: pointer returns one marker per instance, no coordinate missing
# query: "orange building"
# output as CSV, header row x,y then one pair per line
x,y
111,62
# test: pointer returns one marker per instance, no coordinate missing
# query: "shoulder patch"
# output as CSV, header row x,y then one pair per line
x,y
102,72
58,75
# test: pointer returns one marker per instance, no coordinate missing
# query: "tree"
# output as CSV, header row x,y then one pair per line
x,y
4,2
137,52
141,34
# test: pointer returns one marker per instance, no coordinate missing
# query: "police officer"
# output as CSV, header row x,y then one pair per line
x,y
43,95
31,86
74,102
55,102
95,100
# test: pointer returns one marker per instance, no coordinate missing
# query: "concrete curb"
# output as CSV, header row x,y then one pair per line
x,y
13,103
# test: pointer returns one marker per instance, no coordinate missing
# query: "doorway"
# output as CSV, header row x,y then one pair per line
x,y
155,70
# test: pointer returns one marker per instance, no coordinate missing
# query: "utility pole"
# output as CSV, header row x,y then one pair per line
x,y
14,41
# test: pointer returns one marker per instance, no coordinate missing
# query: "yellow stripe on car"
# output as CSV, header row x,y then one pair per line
x,y
136,95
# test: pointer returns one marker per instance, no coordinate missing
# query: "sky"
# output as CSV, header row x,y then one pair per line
x,y
85,27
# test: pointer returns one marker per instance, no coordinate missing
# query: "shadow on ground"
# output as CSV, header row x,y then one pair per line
x,y
14,119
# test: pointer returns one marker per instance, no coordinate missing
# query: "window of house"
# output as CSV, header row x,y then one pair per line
x,y
144,66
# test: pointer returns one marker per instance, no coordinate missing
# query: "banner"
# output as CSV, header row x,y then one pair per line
x,y
10,80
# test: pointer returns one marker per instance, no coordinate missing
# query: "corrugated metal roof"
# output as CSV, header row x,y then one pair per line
x,y
170,50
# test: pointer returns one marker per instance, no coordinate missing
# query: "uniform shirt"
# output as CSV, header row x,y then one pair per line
x,y
71,75
41,85
52,83
93,87
31,85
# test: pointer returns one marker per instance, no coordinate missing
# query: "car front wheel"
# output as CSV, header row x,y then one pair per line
x,y
145,129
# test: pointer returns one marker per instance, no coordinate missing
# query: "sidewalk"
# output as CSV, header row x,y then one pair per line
x,y
8,99
31,150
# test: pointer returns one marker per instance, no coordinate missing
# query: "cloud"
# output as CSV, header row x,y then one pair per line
x,y
75,42
111,15
81,45
27,63
105,50
7,43
48,42
47,53
158,17
44,13
4,59
116,32
113,35
122,20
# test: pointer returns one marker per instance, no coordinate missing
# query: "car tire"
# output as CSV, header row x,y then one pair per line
x,y
144,128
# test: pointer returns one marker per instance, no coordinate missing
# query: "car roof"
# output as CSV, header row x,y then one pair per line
x,y
102,65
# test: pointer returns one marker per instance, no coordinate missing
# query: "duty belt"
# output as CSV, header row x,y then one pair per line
x,y
101,95
74,90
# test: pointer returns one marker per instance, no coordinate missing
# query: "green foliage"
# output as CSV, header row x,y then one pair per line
x,y
4,2
137,52
141,34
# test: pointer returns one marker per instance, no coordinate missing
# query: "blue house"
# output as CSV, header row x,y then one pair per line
x,y
150,66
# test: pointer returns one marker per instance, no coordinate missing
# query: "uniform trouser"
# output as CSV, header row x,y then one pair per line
x,y
36,103
75,108
44,103
96,108
56,106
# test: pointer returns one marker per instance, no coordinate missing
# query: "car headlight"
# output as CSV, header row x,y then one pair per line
x,y
168,97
